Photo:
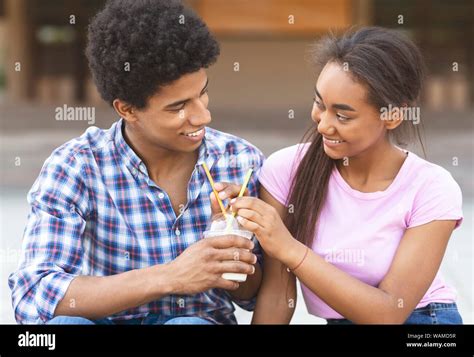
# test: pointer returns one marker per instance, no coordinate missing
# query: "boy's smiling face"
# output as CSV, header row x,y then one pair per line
x,y
175,117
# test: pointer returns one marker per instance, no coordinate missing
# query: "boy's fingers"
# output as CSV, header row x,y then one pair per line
x,y
231,241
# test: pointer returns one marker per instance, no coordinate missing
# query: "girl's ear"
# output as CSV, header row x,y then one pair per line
x,y
124,110
394,118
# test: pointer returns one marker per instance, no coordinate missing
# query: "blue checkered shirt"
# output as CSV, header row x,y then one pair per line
x,y
95,211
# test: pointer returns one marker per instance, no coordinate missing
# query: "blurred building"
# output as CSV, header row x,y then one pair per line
x,y
42,46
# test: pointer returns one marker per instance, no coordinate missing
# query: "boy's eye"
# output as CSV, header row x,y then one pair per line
x,y
177,109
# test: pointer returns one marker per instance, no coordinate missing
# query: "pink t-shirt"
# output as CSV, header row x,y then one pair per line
x,y
360,232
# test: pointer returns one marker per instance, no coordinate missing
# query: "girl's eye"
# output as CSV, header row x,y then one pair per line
x,y
204,92
341,117
318,103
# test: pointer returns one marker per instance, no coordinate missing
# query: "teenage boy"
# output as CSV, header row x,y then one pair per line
x,y
114,234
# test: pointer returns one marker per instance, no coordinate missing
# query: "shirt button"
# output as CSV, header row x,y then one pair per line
x,y
134,172
178,232
142,168
161,195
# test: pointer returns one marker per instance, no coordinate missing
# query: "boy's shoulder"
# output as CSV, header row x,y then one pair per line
x,y
223,143
82,149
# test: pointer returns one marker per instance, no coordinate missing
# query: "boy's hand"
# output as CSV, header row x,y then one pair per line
x,y
201,265
226,190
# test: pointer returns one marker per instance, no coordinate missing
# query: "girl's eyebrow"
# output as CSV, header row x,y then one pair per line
x,y
317,93
343,107
339,106
183,101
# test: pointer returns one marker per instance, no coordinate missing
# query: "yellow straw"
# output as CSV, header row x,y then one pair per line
x,y
214,190
241,193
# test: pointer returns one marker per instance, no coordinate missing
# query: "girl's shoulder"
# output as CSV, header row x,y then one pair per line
x,y
288,156
436,194
424,172
279,168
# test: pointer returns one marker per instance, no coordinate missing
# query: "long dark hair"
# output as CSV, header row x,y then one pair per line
x,y
392,68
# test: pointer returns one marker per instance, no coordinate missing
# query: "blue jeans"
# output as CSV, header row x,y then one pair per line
x,y
148,320
435,313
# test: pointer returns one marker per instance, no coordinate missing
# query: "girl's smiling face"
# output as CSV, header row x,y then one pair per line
x,y
349,124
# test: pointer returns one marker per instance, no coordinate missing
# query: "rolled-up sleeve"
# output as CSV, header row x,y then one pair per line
x,y
51,254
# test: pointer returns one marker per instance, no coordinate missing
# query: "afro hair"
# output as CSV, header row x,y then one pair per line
x,y
135,47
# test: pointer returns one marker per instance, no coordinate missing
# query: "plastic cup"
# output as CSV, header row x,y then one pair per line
x,y
223,226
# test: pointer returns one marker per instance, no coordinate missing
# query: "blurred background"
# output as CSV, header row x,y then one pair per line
x,y
260,89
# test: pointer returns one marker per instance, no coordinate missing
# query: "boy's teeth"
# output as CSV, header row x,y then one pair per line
x,y
196,133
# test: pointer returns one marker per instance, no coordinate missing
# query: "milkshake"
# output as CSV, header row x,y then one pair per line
x,y
223,226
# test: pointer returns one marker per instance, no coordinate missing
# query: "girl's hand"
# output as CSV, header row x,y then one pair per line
x,y
225,190
264,221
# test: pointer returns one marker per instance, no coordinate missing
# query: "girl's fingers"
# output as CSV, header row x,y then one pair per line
x,y
228,190
231,191
251,215
215,208
248,225
251,203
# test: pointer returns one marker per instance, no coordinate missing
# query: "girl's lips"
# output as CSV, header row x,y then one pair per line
x,y
332,143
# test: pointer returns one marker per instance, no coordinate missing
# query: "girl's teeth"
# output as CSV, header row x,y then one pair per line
x,y
334,141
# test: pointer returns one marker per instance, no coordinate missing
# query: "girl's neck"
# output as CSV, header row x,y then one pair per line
x,y
374,169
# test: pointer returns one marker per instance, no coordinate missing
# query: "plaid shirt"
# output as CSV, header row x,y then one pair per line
x,y
95,211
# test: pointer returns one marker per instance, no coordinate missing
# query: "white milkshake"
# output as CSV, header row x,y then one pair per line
x,y
224,226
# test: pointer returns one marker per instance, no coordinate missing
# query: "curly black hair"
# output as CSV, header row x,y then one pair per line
x,y
137,46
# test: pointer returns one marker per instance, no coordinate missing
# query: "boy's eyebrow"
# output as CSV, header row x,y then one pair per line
x,y
336,106
183,101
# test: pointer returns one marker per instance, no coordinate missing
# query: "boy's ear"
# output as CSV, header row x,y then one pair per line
x,y
124,110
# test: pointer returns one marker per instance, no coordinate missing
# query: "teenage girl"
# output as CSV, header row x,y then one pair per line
x,y
362,223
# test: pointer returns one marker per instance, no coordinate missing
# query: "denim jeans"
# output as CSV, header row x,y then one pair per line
x,y
148,320
435,313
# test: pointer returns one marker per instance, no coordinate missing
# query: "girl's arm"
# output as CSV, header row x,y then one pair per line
x,y
276,299
411,273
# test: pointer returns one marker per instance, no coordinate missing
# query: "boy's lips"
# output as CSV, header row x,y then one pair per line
x,y
193,133
196,135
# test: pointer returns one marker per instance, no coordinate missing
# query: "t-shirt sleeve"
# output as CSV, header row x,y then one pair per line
x,y
440,199
277,172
